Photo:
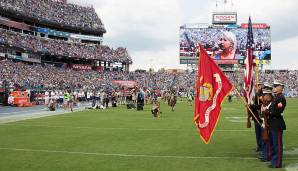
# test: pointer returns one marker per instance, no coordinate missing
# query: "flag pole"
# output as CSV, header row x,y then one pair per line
x,y
198,79
245,103
257,78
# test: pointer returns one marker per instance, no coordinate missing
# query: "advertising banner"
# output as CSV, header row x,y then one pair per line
x,y
224,18
81,67
129,84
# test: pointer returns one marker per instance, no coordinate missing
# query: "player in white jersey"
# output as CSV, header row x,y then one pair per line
x,y
88,96
46,98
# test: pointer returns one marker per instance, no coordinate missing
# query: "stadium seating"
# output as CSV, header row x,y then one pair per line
x,y
54,13
62,48
48,77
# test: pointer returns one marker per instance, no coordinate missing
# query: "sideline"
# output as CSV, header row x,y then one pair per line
x,y
36,114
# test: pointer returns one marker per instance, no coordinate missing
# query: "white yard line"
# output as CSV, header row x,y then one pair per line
x,y
125,155
137,129
235,117
130,155
292,167
238,121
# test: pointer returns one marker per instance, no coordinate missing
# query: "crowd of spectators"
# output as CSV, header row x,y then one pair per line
x,y
63,14
48,77
63,48
19,75
288,77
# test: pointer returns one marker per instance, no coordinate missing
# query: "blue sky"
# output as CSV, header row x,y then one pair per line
x,y
150,28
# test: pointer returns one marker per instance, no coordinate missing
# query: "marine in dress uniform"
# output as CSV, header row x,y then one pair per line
x,y
256,110
265,154
277,125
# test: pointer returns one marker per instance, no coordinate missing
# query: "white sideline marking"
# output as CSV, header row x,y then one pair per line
x,y
292,152
137,129
237,119
34,115
127,155
228,108
292,167
25,111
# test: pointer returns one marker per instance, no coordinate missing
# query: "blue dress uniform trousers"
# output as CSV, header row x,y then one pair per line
x,y
265,153
277,147
258,131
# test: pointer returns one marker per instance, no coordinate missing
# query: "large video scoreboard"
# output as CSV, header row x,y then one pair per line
x,y
224,40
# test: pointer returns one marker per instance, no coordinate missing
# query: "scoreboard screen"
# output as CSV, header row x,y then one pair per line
x,y
224,45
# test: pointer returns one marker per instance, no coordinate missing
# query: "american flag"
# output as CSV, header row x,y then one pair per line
x,y
190,43
249,90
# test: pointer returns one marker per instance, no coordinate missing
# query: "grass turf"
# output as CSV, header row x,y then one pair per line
x,y
122,139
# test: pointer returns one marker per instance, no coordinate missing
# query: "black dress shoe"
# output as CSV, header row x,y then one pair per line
x,y
263,160
270,166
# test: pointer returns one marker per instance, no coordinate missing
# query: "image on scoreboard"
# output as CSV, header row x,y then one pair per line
x,y
225,45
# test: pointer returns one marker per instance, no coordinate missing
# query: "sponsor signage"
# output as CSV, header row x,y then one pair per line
x,y
32,60
263,62
224,18
14,24
98,68
52,32
189,61
85,37
195,25
129,84
15,57
232,26
226,61
256,25
81,67
195,61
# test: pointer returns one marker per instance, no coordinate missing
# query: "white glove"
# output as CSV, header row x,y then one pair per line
x,y
263,124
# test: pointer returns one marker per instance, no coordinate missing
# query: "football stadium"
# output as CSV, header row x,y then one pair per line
x,y
75,97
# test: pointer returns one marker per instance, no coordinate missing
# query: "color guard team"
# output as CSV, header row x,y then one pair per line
x,y
268,109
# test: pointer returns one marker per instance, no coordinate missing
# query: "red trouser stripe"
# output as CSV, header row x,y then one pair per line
x,y
269,150
278,144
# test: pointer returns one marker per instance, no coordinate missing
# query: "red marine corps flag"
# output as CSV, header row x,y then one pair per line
x,y
211,88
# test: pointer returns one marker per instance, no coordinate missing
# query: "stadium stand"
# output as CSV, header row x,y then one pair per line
x,y
62,48
47,12
19,75
51,31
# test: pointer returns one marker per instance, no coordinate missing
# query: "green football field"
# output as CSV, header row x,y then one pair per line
x,y
128,140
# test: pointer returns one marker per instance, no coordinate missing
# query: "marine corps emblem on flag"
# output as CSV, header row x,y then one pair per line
x,y
206,92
